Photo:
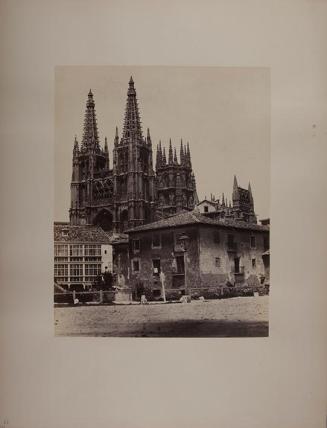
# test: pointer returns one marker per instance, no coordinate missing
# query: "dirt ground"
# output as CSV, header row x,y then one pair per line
x,y
235,317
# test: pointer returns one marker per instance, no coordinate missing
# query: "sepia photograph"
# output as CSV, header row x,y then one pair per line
x,y
162,201
153,153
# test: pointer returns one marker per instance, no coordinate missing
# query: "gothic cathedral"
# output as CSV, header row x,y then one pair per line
x,y
130,193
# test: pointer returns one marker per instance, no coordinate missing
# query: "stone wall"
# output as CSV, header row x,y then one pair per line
x,y
217,258
209,259
166,253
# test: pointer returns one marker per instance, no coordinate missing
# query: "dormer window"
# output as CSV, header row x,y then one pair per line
x,y
64,233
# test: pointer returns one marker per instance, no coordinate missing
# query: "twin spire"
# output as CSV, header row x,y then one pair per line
x,y
132,123
90,140
132,129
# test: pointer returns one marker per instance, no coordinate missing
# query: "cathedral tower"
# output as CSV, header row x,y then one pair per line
x,y
243,205
129,194
91,185
133,170
175,182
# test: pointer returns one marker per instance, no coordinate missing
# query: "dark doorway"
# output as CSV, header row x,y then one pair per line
x,y
104,220
237,265
180,265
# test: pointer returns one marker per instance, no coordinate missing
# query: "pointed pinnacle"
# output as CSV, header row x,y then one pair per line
x,y
131,81
181,155
164,159
170,155
175,155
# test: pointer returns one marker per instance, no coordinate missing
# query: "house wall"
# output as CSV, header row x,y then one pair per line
x,y
169,249
106,257
65,263
201,207
213,247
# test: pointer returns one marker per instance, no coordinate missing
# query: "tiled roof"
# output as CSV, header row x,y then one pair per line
x,y
118,238
193,217
64,232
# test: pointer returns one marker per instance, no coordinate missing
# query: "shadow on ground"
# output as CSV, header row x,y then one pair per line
x,y
190,328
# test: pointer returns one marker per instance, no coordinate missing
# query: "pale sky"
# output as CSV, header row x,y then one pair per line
x,y
223,112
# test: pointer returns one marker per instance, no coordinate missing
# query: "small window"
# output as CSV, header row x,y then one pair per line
x,y
64,232
218,262
156,240
252,242
136,245
206,209
136,265
254,263
156,267
216,237
105,251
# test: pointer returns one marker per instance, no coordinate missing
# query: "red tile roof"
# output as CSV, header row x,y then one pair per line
x,y
193,217
64,232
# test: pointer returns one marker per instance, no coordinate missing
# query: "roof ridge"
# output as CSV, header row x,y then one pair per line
x,y
195,217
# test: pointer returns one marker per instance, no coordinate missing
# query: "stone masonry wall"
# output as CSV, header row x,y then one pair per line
x,y
166,253
217,262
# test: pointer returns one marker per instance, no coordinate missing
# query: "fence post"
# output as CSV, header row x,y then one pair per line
x,y
74,296
101,296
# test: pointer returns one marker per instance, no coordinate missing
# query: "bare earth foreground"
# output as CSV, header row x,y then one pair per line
x,y
235,317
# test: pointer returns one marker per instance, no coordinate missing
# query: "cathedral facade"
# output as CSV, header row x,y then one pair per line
x,y
132,192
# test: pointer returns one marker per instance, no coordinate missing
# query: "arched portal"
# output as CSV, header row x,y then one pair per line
x,y
104,220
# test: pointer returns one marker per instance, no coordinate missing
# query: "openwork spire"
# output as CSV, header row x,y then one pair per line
x,y
76,148
132,123
90,139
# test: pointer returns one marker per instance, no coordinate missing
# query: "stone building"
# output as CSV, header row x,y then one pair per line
x,y
80,254
242,208
130,193
197,253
